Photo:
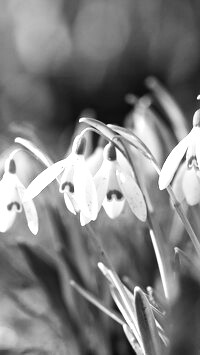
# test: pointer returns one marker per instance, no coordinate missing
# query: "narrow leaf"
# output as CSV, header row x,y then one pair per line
x,y
132,340
146,324
89,297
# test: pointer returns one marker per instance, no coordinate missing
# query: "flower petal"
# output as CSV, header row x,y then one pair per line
x,y
29,210
191,187
197,145
101,180
7,219
95,160
84,220
85,191
8,195
44,179
10,198
123,162
70,203
172,162
113,207
132,194
177,183
113,202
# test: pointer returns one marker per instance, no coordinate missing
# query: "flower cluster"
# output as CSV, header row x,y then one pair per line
x,y
109,183
85,193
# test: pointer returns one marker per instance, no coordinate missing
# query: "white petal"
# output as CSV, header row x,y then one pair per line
x,y
7,219
113,205
68,175
132,194
177,183
84,220
44,179
8,192
101,180
95,160
123,162
70,203
191,187
8,195
172,162
29,210
197,145
85,191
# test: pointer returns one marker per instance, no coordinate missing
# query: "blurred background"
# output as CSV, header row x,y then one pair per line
x,y
59,60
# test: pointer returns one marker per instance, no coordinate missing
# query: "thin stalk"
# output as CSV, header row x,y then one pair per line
x,y
96,302
161,257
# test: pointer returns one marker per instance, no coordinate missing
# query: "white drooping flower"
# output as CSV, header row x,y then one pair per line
x,y
11,203
116,184
186,183
76,182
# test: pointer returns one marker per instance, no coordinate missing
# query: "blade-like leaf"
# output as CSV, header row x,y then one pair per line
x,y
121,298
132,340
87,295
146,324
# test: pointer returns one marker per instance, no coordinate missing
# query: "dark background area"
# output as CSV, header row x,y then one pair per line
x,y
59,58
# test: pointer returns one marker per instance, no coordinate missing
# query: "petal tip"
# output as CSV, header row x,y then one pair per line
x,y
162,183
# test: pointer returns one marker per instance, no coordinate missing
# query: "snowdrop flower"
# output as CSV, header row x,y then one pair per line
x,y
188,176
115,185
76,182
12,192
186,184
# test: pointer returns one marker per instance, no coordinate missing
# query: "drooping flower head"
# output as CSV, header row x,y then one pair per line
x,y
189,173
76,182
116,184
11,202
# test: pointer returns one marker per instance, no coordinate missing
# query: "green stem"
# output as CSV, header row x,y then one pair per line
x,y
96,302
